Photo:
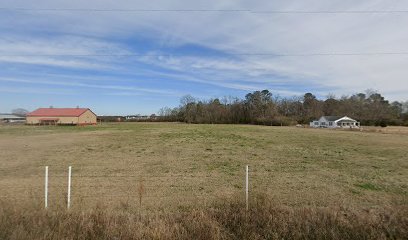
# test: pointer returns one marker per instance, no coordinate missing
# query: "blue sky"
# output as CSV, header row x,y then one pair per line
x,y
148,60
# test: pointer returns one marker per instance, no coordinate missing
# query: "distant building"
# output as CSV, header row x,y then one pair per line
x,y
335,122
11,118
141,117
137,117
62,116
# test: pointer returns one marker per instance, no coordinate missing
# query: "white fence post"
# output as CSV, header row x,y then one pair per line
x,y
69,188
46,187
246,188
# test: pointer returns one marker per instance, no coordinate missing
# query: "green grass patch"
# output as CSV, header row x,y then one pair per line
x,y
369,186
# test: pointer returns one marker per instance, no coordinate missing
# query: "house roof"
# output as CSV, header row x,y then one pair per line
x,y
331,118
345,119
60,112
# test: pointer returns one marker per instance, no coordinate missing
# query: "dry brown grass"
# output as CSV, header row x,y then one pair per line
x,y
188,165
180,170
224,219
387,130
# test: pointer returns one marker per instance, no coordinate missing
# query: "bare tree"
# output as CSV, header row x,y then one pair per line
x,y
20,112
261,107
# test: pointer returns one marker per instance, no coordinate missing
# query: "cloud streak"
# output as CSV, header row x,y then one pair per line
x,y
197,47
85,85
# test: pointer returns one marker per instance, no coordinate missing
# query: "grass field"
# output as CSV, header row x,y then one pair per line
x,y
304,183
181,165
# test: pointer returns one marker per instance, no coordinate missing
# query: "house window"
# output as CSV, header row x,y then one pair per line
x,y
323,123
330,123
316,123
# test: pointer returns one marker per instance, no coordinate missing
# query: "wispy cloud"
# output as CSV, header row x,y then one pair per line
x,y
199,48
85,85
60,51
37,90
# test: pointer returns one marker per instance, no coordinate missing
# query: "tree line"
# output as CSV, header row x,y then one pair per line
x,y
264,108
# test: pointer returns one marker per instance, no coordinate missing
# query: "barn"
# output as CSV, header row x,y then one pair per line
x,y
61,116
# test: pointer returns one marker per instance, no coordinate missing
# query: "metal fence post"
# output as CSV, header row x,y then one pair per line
x,y
69,188
246,187
46,188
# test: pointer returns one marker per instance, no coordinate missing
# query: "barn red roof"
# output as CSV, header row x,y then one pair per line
x,y
60,112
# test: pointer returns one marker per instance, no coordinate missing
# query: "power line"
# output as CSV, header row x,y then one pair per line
x,y
118,10
205,11
331,12
224,55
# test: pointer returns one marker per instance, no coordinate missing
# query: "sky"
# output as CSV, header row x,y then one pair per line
x,y
133,57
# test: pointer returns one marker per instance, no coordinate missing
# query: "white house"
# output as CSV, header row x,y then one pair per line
x,y
335,122
10,118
